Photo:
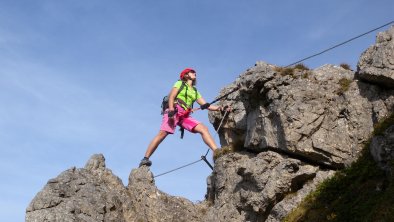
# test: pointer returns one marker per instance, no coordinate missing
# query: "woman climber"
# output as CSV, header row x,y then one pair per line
x,y
180,101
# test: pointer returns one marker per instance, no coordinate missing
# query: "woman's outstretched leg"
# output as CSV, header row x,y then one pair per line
x,y
152,147
206,136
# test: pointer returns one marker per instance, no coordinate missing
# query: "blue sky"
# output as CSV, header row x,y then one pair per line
x,y
85,77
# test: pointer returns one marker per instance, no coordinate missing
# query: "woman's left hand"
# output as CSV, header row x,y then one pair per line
x,y
225,108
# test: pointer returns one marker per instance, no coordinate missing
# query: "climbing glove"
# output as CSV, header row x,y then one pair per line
x,y
205,106
171,113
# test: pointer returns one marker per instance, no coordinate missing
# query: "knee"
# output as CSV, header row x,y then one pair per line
x,y
202,129
162,134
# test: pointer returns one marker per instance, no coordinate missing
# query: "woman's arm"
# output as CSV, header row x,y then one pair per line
x,y
201,101
171,98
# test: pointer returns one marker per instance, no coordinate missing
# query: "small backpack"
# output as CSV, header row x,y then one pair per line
x,y
164,103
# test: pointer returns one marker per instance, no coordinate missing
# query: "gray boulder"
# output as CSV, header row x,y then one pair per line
x,y
376,64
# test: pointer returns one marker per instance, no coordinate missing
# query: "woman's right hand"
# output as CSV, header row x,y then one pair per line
x,y
171,113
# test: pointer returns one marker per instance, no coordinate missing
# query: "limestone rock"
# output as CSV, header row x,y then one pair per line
x,y
150,204
376,64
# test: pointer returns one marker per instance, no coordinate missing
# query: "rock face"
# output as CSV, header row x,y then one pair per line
x,y
289,130
305,114
324,114
259,186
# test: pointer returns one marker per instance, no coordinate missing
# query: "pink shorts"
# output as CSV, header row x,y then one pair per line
x,y
182,118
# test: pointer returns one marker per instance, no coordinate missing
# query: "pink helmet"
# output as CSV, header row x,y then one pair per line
x,y
186,71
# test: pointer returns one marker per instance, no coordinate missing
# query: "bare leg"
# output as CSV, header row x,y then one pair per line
x,y
206,136
155,143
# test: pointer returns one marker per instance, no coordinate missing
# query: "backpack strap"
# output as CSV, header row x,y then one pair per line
x,y
181,88
195,95
184,103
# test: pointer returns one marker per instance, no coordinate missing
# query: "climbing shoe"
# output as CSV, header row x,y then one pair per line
x,y
145,162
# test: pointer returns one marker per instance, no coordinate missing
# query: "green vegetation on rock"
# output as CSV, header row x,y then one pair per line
x,y
361,192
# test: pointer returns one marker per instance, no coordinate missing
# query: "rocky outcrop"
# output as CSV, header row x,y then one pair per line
x,y
92,193
376,64
150,204
289,130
